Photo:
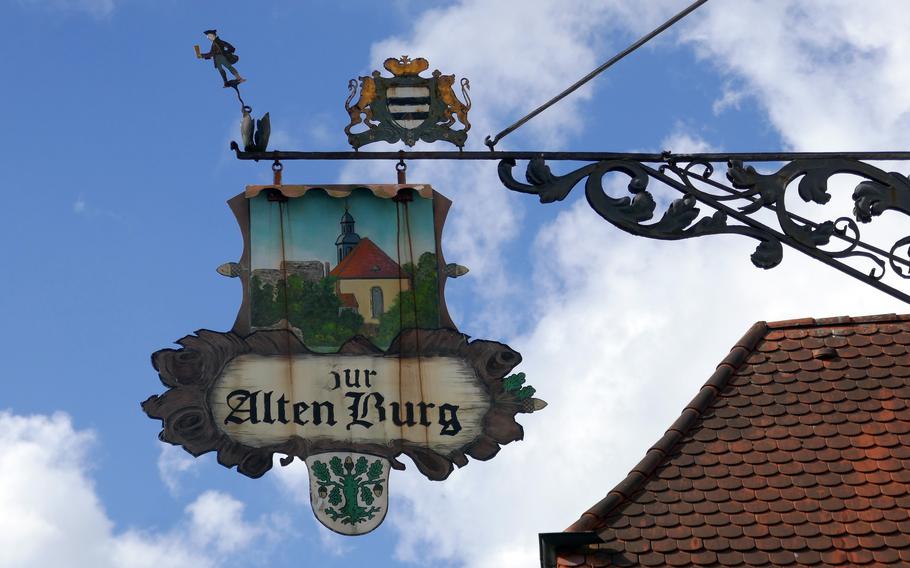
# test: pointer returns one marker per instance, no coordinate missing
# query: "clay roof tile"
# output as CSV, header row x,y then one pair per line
x,y
793,453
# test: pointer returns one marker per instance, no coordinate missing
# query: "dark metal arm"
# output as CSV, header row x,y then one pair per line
x,y
663,157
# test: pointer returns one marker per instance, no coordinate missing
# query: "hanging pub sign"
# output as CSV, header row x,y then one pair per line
x,y
343,353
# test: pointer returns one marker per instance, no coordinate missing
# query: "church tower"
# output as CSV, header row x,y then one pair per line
x,y
348,239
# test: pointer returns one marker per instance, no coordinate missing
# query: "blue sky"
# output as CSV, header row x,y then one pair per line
x,y
313,224
115,170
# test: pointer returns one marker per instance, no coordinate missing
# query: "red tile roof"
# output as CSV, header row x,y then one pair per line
x,y
796,452
367,260
348,301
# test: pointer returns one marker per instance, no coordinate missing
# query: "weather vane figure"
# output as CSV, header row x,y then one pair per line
x,y
254,139
224,58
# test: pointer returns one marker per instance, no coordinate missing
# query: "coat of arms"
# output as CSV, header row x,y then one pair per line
x,y
407,107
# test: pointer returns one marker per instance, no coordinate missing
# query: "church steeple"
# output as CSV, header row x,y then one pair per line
x,y
348,239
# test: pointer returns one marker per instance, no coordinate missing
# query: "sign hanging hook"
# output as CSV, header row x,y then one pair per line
x,y
401,168
276,172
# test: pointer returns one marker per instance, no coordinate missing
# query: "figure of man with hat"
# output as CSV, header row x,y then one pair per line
x,y
223,54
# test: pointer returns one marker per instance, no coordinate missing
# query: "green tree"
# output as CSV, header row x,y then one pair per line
x,y
312,307
315,309
417,307
266,303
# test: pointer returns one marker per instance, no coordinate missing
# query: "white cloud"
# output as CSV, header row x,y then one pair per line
x,y
682,140
53,517
731,98
281,139
216,523
628,328
173,464
294,481
83,208
832,75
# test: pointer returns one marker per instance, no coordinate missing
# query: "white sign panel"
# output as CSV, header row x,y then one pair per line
x,y
263,400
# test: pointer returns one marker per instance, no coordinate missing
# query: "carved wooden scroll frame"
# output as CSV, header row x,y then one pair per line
x,y
191,371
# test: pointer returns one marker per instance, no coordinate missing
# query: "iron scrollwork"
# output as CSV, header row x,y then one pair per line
x,y
631,213
753,191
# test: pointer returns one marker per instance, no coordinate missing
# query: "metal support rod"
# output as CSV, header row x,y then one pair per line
x,y
643,40
664,157
277,167
402,169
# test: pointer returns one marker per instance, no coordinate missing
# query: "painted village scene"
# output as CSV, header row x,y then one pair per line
x,y
333,267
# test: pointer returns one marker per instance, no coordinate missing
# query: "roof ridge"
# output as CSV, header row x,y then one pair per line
x,y
837,320
593,518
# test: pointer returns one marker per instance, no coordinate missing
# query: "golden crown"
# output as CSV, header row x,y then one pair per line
x,y
405,65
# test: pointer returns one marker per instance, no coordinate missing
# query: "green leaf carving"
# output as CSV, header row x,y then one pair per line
x,y
360,467
335,464
375,470
321,471
335,496
525,392
366,495
513,382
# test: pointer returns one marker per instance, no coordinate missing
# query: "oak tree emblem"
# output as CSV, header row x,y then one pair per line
x,y
351,488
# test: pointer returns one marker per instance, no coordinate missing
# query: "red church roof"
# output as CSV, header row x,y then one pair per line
x,y
367,261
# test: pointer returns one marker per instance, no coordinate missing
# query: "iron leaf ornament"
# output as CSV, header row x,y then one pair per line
x,y
407,107
747,191
631,213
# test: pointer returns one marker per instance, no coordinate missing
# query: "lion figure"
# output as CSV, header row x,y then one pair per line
x,y
454,107
362,106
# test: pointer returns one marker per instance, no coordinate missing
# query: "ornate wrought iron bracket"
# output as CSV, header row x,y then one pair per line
x,y
750,192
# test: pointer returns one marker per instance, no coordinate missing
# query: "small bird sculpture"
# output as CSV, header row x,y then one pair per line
x,y
263,131
257,141
246,128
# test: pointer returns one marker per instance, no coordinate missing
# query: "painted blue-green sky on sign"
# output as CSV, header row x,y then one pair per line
x,y
313,222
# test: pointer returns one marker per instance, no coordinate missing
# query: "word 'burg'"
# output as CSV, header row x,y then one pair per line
x,y
365,408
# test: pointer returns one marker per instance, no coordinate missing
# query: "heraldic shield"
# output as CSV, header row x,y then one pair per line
x,y
407,107
349,491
